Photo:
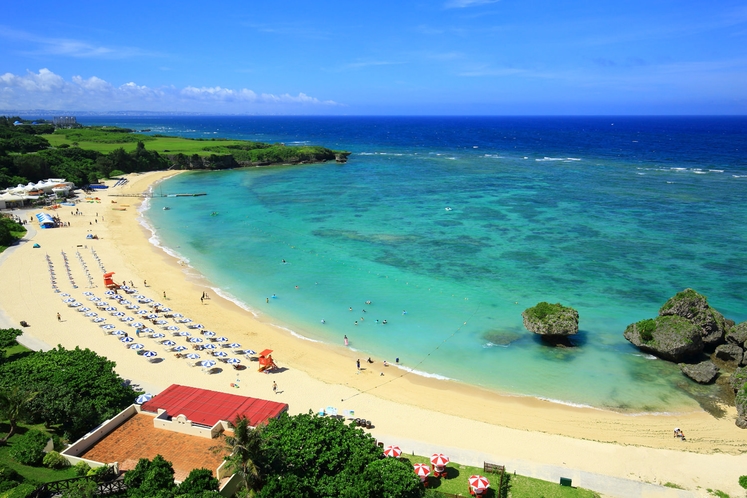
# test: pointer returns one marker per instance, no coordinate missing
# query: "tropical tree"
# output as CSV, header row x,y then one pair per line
x,y
151,479
246,448
14,402
199,482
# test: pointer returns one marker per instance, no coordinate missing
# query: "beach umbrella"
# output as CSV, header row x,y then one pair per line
x,y
220,354
143,398
152,316
161,322
133,307
136,346
233,361
184,334
184,320
208,333
154,305
250,352
91,313
88,293
75,305
421,470
127,319
168,343
140,296
172,328
150,354
166,309
119,313
158,335
389,451
123,300
196,326
65,294
207,363
127,340
136,324
195,339
439,459
110,293
147,331
118,332
146,300
209,346
83,310
478,482
110,308
193,356
179,349
141,312
221,339
97,320
178,315
108,326
234,345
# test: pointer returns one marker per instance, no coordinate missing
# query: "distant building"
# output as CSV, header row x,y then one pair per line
x,y
65,122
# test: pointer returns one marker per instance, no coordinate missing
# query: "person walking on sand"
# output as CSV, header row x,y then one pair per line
x,y
164,294
346,337
358,364
202,299
274,387
59,319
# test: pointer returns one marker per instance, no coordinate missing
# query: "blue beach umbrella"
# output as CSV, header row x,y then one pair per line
x,y
250,352
208,333
137,325
234,345
141,312
172,328
178,315
108,326
221,339
179,349
88,293
118,332
184,334
150,354
158,335
207,363
193,356
137,346
143,398
233,361
168,343
209,346
97,320
195,339
220,354
127,340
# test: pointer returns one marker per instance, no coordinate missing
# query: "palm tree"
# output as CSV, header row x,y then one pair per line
x,y
246,448
13,403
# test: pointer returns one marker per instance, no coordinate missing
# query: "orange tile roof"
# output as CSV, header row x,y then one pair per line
x,y
137,438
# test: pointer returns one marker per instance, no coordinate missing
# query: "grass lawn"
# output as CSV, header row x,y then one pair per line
x,y
169,145
515,486
36,474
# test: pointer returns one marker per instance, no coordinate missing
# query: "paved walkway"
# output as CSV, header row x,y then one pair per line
x,y
612,487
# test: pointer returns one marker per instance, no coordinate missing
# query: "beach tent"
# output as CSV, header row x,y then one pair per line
x,y
45,220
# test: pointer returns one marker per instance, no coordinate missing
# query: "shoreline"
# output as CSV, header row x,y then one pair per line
x,y
408,406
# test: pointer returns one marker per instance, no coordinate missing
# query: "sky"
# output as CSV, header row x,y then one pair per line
x,y
331,57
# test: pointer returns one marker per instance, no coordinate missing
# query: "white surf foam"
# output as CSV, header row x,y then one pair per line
x,y
420,372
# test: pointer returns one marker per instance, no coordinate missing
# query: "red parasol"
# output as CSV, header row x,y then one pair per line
x,y
392,451
421,470
439,459
479,482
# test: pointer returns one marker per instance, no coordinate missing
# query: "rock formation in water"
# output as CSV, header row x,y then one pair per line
x,y
704,372
672,338
694,307
554,322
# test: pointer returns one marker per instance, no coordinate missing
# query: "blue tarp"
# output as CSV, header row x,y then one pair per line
x,y
45,220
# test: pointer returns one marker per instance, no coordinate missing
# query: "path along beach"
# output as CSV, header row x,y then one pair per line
x,y
532,436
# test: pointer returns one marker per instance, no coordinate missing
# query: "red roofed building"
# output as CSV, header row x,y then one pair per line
x,y
206,408
181,423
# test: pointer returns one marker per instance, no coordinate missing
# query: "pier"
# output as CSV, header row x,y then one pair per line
x,y
153,194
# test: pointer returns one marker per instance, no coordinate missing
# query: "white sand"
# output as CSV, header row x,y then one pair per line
x,y
529,433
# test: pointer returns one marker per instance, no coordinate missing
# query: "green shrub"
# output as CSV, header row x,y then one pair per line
x,y
54,460
646,329
29,448
743,481
21,491
81,469
9,478
115,172
97,471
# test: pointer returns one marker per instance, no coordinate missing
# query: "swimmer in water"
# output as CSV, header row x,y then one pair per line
x,y
384,322
284,261
323,320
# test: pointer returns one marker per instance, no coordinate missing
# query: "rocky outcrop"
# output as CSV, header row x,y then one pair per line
x,y
694,307
704,372
739,384
730,353
553,322
672,338
738,335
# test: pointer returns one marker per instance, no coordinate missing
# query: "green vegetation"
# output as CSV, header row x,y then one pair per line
x,y
743,481
155,479
672,485
646,329
10,232
543,310
716,492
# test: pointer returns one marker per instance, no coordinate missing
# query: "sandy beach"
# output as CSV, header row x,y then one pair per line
x,y
421,414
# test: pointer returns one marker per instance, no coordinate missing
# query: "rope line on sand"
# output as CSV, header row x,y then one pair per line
x,y
406,372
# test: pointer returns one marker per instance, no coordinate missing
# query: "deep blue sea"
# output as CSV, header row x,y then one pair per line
x,y
464,222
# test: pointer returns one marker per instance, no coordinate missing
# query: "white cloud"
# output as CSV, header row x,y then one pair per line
x,y
460,4
47,90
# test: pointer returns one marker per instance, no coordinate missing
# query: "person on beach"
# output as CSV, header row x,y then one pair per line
x,y
202,299
346,337
145,283
59,319
274,387
386,364
164,294
358,364
267,300
369,360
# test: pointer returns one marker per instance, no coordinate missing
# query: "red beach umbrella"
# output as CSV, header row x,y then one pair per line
x,y
439,459
421,470
392,451
479,482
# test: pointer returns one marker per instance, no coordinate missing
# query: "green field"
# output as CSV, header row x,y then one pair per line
x,y
515,486
109,142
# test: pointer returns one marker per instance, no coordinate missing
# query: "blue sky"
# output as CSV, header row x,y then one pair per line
x,y
386,57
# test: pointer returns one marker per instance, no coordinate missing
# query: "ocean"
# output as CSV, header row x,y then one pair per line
x,y
452,226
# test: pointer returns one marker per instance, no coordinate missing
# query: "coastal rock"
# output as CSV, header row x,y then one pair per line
x,y
704,372
672,338
738,382
738,379
730,352
551,321
738,335
694,307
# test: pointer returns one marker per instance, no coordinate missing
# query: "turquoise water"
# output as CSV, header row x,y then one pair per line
x,y
540,214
